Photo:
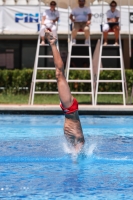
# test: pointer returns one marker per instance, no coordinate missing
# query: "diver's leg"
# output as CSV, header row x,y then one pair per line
x,y
63,87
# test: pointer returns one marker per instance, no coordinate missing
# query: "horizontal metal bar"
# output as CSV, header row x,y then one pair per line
x,y
110,56
79,56
110,81
45,92
43,45
75,68
111,45
79,81
81,92
110,69
45,81
81,45
45,68
45,56
109,92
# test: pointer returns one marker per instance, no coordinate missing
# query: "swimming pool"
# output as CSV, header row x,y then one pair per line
x,y
36,164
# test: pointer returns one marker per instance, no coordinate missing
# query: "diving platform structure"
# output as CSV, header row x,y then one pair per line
x,y
94,80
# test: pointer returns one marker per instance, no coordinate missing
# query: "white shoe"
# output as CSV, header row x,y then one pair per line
x,y
116,44
73,41
87,42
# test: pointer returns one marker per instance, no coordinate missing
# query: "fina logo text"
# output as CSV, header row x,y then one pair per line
x,y
26,18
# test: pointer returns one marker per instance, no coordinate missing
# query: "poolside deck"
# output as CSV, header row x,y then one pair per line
x,y
55,109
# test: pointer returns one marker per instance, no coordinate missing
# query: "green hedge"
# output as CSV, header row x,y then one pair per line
x,y
20,80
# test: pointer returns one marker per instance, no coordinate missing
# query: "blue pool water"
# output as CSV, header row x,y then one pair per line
x,y
36,164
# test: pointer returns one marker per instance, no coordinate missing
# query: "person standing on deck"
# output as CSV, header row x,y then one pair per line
x,y
72,127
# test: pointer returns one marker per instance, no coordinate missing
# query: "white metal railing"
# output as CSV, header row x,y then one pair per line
x,y
35,70
89,68
121,69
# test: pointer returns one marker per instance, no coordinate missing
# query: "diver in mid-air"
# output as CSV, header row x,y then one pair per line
x,y
72,127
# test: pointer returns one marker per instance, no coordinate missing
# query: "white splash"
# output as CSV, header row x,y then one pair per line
x,y
68,149
89,151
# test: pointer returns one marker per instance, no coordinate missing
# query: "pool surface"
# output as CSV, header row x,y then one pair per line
x,y
37,164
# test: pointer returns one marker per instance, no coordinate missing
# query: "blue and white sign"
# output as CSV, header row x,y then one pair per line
x,y
21,19
26,19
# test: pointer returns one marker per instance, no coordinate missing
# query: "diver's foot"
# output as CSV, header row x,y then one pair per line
x,y
51,39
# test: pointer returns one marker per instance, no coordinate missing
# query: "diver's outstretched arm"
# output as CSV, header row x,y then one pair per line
x,y
63,87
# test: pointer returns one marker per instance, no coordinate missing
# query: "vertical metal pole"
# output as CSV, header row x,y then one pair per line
x,y
130,51
68,62
130,44
32,90
68,23
57,27
58,10
122,70
99,63
35,71
120,11
69,45
39,7
121,62
102,13
98,74
69,42
91,71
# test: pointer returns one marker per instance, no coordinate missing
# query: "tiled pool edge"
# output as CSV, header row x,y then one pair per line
x,y
55,109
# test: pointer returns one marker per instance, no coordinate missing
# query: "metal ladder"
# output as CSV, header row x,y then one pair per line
x,y
34,76
79,69
122,81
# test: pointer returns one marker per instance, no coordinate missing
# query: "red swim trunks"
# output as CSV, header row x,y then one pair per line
x,y
71,109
